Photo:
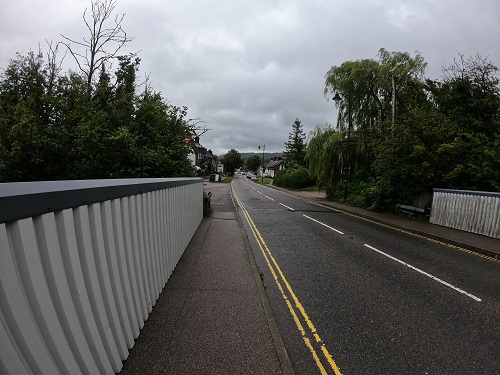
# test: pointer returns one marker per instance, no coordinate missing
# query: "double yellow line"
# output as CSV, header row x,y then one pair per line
x,y
310,336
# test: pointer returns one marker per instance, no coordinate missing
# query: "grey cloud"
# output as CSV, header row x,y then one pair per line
x,y
249,68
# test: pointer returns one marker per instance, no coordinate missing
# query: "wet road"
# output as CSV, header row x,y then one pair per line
x,y
354,297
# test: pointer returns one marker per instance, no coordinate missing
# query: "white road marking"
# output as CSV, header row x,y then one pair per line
x,y
259,192
291,209
426,274
270,198
319,222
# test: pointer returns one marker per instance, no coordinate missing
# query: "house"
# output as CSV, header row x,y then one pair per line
x,y
201,157
273,167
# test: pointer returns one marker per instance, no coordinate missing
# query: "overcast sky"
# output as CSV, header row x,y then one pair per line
x,y
249,68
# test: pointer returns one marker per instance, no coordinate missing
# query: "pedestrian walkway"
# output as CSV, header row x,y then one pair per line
x,y
213,316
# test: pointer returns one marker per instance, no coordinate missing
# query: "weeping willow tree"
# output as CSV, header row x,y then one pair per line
x,y
374,93
326,158
376,88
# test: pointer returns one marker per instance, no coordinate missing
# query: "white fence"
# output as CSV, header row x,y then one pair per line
x,y
470,211
82,264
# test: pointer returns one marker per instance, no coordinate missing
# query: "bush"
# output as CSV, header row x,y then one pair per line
x,y
294,178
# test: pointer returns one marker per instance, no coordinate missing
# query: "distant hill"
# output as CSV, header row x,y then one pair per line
x,y
267,155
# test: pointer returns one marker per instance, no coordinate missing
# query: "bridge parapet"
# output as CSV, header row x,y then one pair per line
x,y
470,211
82,264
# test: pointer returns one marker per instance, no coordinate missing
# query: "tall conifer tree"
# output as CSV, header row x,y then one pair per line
x,y
295,151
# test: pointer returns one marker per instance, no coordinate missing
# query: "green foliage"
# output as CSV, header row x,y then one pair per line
x,y
326,157
294,178
445,134
265,182
253,162
368,85
231,161
51,128
295,151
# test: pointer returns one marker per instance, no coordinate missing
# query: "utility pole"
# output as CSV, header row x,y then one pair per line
x,y
263,150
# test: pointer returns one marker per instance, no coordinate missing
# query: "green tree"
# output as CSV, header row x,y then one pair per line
x,y
325,158
29,119
368,85
415,158
50,128
232,160
371,90
253,162
470,97
295,151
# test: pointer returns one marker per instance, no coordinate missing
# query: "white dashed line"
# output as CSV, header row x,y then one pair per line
x,y
319,222
426,274
291,209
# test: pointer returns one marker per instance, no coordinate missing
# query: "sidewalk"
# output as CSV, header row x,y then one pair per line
x,y
213,316
469,241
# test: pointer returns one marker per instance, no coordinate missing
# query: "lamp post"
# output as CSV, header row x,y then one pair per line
x,y
263,150
347,168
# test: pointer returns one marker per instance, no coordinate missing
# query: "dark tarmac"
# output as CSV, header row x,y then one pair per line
x,y
213,316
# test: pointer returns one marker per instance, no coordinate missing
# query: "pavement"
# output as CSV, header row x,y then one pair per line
x,y
213,316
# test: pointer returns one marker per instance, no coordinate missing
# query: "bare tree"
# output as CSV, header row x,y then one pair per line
x,y
53,64
101,37
197,126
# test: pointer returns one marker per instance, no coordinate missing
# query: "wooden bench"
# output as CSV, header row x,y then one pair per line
x,y
412,210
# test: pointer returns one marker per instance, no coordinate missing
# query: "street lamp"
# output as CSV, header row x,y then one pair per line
x,y
347,168
337,99
263,150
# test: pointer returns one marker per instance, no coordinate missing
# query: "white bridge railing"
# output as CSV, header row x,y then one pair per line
x,y
82,264
470,211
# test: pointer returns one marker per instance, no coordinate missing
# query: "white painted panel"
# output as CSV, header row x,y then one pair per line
x,y
10,359
16,318
78,284
97,236
69,249
137,259
94,288
153,248
130,266
147,249
61,285
38,292
120,252
140,221
114,273
160,234
475,213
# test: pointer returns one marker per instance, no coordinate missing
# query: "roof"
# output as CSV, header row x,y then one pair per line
x,y
274,163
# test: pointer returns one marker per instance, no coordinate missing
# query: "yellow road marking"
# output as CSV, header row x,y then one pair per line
x,y
275,271
408,232
315,356
397,229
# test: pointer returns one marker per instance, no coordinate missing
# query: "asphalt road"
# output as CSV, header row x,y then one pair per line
x,y
354,297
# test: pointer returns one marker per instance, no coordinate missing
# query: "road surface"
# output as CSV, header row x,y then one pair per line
x,y
352,296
